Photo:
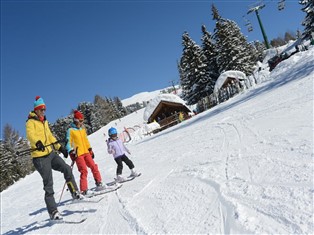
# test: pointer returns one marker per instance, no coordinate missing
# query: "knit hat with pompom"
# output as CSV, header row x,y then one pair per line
x,y
39,103
78,116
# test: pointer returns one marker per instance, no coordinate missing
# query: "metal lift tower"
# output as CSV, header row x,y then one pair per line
x,y
256,9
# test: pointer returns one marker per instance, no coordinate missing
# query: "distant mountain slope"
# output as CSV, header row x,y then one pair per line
x,y
140,97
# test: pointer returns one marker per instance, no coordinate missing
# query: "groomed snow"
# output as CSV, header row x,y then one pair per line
x,y
243,167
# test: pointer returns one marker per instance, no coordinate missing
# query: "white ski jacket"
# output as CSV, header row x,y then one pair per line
x,y
116,148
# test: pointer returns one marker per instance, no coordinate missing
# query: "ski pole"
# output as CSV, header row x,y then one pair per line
x,y
72,164
27,151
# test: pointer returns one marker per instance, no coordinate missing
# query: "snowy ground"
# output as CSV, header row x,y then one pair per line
x,y
245,166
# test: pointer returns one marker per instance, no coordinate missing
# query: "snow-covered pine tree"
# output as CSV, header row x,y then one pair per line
x,y
215,13
210,52
260,48
289,36
59,128
102,109
121,110
10,136
193,71
91,123
234,52
133,107
308,22
13,167
113,110
95,120
186,82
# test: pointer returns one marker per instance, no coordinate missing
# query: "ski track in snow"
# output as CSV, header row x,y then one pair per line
x,y
129,218
243,167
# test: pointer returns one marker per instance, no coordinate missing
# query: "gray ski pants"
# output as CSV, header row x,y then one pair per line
x,y
45,165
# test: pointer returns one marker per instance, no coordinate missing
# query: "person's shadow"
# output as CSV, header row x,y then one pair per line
x,y
44,223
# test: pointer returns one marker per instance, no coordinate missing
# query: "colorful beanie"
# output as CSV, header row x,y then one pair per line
x,y
39,103
78,115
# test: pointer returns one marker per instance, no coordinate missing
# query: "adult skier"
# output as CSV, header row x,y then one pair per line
x,y
45,159
81,152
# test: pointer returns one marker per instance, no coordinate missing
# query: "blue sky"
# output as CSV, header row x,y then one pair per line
x,y
69,51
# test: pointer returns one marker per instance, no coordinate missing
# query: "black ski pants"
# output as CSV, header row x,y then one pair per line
x,y
119,160
45,165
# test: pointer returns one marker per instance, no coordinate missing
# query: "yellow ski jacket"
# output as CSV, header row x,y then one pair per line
x,y
77,139
38,130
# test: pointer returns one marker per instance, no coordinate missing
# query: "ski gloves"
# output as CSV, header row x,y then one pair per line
x,y
91,153
63,151
73,155
40,146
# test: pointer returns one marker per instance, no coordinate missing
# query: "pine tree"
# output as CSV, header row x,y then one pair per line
x,y
210,52
60,127
102,110
15,167
133,107
234,52
289,36
194,79
260,48
91,122
308,22
184,67
121,110
216,15
10,136
277,42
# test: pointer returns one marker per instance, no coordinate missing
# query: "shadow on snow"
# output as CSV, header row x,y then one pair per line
x,y
44,223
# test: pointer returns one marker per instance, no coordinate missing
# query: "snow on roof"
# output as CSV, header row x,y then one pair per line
x,y
238,75
152,105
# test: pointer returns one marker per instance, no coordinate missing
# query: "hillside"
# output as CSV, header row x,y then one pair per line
x,y
242,167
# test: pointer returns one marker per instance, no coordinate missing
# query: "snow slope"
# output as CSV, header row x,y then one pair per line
x,y
141,97
245,167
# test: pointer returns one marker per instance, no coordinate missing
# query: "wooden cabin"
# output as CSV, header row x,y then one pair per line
x,y
167,113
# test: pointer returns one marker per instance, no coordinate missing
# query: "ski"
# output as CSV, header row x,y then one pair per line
x,y
126,180
102,191
129,178
111,183
49,222
88,200
65,221
138,175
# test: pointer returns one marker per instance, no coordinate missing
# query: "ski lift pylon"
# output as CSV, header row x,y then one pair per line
x,y
281,5
256,6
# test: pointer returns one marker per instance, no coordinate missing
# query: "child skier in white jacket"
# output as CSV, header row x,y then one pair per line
x,y
118,150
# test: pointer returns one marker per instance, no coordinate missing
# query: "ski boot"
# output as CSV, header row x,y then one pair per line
x,y
100,186
120,179
77,195
55,215
133,173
